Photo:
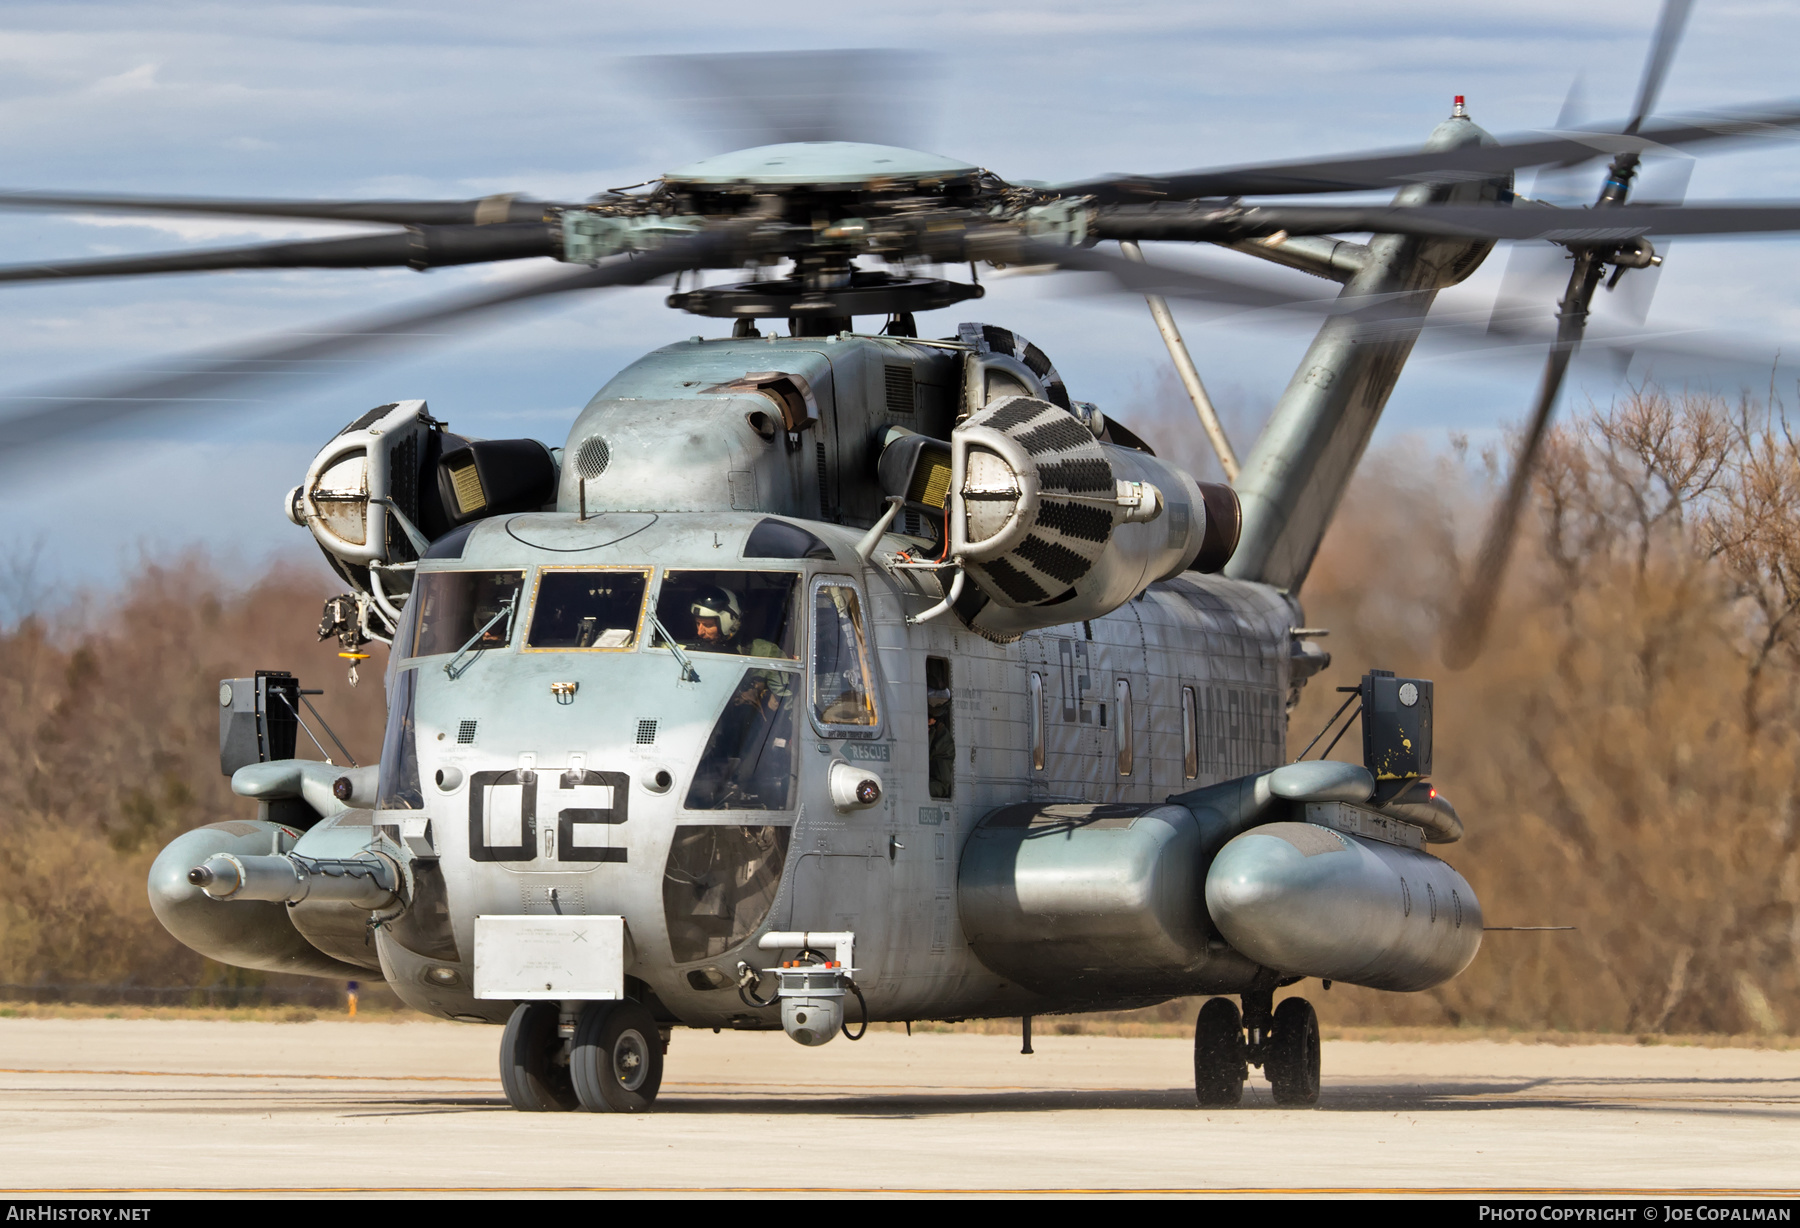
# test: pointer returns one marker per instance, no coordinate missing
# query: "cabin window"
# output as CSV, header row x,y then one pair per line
x,y
748,763
398,784
454,607
842,690
1122,726
591,609
718,886
1190,735
1035,718
940,727
741,613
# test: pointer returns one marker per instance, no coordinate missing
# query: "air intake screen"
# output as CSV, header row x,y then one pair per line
x,y
931,480
467,485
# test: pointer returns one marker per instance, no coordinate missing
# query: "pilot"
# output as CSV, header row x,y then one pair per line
x,y
717,622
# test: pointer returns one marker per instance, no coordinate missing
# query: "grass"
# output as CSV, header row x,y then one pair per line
x,y
1123,1023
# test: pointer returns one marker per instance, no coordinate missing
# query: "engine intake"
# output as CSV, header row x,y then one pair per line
x,y
1053,526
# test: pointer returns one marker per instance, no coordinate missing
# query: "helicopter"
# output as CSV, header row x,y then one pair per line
x,y
831,675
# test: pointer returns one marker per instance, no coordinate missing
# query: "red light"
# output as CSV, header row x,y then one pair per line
x,y
1459,100
1430,792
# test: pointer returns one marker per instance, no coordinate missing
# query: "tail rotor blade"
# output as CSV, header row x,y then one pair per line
x,y
1669,27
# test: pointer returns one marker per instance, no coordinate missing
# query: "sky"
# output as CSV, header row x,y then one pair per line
x,y
460,99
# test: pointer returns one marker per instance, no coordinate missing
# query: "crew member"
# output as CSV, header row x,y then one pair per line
x,y
717,621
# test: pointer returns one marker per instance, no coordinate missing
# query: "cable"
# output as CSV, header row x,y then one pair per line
x,y
747,978
1342,732
860,1001
1328,724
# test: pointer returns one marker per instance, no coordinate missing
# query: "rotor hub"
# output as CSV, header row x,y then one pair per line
x,y
830,291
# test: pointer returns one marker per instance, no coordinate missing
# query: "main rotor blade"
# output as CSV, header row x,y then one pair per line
x,y
421,247
1146,278
1385,169
1615,223
218,380
1656,65
1468,628
483,212
1501,331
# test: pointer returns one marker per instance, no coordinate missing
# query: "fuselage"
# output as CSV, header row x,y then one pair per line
x,y
598,779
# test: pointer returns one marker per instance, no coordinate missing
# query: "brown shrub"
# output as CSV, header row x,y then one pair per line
x,y
1623,752
108,750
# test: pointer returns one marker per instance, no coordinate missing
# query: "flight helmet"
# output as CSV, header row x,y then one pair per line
x,y
721,604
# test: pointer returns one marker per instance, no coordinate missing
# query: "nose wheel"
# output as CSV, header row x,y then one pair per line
x,y
533,1068
617,1060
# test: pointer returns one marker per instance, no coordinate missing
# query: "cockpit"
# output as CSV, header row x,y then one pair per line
x,y
697,620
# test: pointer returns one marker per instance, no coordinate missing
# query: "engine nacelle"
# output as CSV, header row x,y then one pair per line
x,y
1053,526
395,480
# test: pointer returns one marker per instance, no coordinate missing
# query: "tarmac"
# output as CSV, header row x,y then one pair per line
x,y
101,1107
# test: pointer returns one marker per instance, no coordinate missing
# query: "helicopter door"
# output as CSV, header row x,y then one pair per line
x,y
843,881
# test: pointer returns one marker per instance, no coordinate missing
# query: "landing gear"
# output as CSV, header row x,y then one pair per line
x,y
1283,1041
532,1067
617,1060
1219,1065
1293,1056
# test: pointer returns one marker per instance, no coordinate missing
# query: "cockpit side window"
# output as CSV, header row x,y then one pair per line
x,y
843,692
741,613
592,609
748,763
452,606
398,779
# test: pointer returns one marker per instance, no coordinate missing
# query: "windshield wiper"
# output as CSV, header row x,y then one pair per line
x,y
505,611
681,658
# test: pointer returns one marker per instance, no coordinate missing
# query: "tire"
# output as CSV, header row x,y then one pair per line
x,y
617,1059
1219,1065
1293,1065
535,1079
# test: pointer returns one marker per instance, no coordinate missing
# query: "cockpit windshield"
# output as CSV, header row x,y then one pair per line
x,y
587,608
744,613
454,605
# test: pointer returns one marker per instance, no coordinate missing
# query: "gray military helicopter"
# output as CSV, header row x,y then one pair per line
x,y
827,676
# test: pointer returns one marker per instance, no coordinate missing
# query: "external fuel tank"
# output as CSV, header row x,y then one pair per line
x,y
1303,898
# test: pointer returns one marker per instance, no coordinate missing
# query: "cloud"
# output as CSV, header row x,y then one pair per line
x,y
132,81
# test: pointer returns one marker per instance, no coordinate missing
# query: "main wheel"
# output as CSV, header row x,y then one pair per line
x,y
617,1058
1219,1066
535,1079
1293,1065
